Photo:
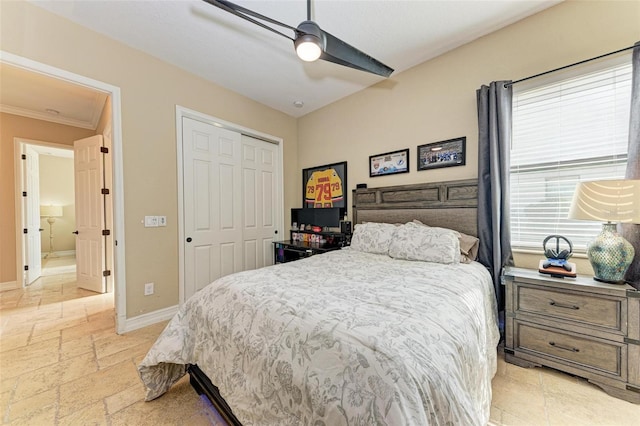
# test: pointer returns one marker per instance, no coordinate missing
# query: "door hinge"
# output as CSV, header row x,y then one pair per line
x,y
25,231
23,156
26,267
106,232
106,273
104,150
24,193
104,191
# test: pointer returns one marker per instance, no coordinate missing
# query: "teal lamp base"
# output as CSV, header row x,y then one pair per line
x,y
610,255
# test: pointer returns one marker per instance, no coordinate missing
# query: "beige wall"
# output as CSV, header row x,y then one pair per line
x,y
57,188
431,102
436,100
12,126
150,91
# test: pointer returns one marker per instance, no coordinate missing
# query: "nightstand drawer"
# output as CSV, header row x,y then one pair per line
x,y
587,353
581,307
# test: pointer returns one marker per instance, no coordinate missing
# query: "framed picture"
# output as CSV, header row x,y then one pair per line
x,y
442,154
389,163
325,186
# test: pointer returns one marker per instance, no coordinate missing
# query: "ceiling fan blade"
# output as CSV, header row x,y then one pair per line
x,y
339,52
245,14
333,49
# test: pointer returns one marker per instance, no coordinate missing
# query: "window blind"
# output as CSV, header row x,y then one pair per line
x,y
564,132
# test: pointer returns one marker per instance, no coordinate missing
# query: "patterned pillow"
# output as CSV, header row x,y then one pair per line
x,y
372,237
429,244
468,245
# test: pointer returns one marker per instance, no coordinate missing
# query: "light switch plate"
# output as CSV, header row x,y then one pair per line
x,y
150,221
162,221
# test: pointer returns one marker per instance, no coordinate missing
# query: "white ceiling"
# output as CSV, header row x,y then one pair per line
x,y
260,65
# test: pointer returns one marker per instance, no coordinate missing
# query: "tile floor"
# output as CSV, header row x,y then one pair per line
x,y
58,265
61,363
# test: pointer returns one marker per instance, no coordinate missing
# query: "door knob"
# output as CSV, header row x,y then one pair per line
x,y
75,232
276,231
189,239
41,229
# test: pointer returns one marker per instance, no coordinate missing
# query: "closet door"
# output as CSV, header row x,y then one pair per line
x,y
259,195
212,169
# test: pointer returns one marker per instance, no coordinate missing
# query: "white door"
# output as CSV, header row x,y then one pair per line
x,y
90,243
259,192
212,203
31,214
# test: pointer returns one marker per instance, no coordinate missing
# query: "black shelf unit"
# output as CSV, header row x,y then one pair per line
x,y
290,250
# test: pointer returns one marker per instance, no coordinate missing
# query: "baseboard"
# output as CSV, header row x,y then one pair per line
x,y
62,253
145,320
8,285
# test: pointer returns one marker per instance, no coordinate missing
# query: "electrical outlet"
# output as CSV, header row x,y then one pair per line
x,y
148,289
162,221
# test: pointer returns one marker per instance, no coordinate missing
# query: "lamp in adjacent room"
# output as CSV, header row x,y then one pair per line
x,y
611,202
50,212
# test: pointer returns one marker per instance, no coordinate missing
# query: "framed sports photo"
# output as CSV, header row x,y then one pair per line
x,y
442,154
325,186
389,163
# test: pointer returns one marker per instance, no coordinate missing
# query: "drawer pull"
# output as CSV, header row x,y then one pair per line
x,y
566,348
562,305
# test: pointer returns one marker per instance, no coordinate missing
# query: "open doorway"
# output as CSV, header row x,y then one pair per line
x,y
110,130
54,198
66,186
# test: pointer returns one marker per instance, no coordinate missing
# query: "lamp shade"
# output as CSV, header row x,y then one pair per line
x,y
615,201
51,211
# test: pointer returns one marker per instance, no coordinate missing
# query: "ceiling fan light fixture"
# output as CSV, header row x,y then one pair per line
x,y
308,42
308,47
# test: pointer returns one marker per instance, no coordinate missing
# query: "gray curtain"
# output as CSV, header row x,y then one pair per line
x,y
494,141
629,231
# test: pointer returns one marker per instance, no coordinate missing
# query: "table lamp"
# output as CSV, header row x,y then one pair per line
x,y
51,212
611,202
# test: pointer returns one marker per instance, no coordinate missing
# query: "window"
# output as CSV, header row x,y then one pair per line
x,y
566,131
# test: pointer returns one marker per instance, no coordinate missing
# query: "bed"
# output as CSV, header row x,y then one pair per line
x,y
354,336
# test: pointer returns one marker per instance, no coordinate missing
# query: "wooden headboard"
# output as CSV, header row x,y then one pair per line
x,y
452,204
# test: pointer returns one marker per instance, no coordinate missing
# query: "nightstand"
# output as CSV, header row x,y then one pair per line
x,y
576,325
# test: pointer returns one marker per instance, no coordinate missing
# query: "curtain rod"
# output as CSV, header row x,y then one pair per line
x,y
568,66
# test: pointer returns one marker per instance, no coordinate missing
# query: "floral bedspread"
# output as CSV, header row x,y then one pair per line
x,y
342,338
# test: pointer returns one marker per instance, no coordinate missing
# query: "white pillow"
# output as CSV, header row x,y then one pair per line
x,y
372,237
469,245
428,244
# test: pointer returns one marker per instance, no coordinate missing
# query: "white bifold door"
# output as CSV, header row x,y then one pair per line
x,y
230,203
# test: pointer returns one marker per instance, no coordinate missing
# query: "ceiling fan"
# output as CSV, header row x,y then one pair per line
x,y
311,42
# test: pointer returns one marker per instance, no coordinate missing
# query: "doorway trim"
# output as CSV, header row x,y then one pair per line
x,y
117,164
182,112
